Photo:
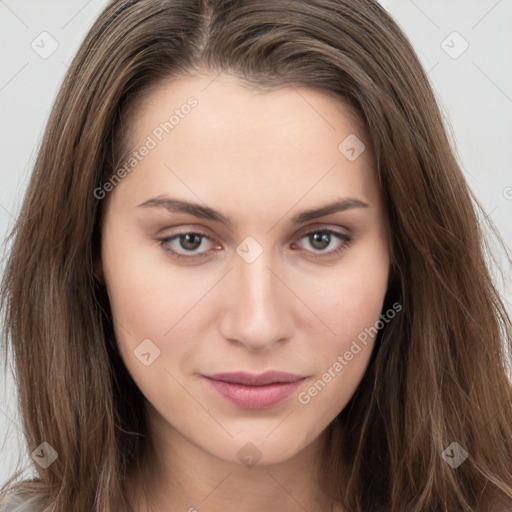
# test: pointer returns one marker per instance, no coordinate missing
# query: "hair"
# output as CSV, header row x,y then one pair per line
x,y
438,372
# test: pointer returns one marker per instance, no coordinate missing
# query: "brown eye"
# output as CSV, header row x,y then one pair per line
x,y
320,239
186,242
190,241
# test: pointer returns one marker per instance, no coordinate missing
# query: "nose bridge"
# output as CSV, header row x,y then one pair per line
x,y
256,311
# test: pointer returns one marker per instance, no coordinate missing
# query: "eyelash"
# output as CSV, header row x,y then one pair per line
x,y
346,239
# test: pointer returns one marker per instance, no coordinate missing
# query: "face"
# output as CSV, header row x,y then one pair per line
x,y
213,264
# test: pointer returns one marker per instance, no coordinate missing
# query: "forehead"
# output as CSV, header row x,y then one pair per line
x,y
239,139
233,106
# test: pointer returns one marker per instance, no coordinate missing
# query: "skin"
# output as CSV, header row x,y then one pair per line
x,y
259,158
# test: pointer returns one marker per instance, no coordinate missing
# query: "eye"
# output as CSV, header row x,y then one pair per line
x,y
189,243
320,239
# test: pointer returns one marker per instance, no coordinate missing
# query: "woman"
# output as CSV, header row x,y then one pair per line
x,y
184,339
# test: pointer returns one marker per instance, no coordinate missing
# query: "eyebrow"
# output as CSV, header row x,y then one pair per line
x,y
205,212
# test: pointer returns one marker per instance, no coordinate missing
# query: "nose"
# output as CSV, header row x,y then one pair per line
x,y
257,305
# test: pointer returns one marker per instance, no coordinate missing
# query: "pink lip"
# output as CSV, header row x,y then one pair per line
x,y
255,391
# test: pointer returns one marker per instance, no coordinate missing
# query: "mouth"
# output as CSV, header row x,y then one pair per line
x,y
254,391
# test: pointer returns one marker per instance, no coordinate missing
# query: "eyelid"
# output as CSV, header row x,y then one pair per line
x,y
322,227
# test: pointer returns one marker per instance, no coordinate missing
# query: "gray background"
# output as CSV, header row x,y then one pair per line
x,y
474,89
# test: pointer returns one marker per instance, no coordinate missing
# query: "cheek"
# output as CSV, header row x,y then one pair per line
x,y
351,305
152,299
149,302
148,295
352,295
143,299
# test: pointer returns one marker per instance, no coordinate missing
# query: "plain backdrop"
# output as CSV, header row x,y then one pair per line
x,y
465,45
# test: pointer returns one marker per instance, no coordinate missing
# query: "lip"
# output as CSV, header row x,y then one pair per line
x,y
254,391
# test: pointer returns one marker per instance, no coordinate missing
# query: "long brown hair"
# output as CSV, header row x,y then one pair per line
x,y
438,372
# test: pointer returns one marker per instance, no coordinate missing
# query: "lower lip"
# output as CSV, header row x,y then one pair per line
x,y
254,397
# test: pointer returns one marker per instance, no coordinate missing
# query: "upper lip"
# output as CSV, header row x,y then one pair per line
x,y
254,379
